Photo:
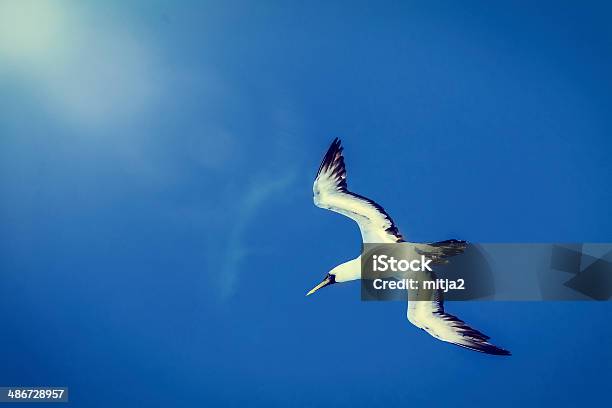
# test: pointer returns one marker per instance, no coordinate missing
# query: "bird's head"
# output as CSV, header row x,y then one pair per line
x,y
328,280
347,271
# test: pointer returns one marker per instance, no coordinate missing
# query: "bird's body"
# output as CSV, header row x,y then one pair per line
x,y
330,192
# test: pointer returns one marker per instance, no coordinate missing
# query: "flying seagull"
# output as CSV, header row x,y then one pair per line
x,y
376,226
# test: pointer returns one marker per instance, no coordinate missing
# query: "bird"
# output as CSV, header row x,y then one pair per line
x,y
330,191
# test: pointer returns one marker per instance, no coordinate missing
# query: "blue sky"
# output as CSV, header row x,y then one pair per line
x,y
158,232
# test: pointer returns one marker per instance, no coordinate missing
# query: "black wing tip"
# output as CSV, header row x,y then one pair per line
x,y
333,157
475,339
486,348
335,147
501,352
495,351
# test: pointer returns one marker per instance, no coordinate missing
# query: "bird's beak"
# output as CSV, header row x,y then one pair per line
x,y
327,281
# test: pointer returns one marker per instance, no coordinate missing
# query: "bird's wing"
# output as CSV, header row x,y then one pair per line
x,y
330,192
426,311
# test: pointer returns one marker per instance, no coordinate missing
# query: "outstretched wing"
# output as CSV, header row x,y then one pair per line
x,y
426,311
330,192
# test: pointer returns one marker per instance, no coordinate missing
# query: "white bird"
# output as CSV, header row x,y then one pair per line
x,y
376,226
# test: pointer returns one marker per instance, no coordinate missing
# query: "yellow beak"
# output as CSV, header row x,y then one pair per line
x,y
325,282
